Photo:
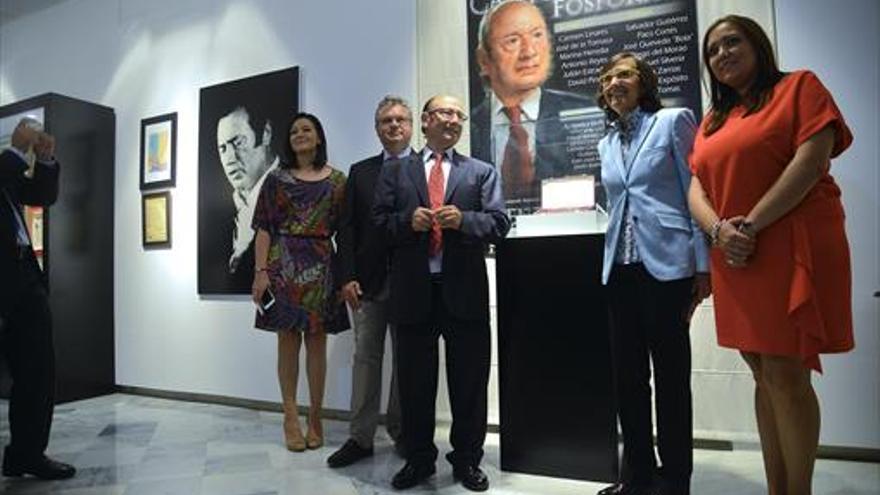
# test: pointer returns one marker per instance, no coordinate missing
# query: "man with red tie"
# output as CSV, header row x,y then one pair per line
x,y
518,126
440,209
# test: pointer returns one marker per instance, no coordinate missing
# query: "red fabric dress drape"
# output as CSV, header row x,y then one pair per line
x,y
793,298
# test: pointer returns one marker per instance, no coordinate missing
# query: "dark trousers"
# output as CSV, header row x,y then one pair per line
x,y
468,350
30,354
648,327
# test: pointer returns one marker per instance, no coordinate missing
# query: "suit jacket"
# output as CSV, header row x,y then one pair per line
x,y
361,244
474,187
654,183
41,190
551,156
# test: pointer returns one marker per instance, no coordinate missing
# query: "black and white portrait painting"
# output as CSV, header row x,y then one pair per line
x,y
242,133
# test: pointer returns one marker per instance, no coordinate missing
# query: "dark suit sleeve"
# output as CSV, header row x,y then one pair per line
x,y
390,212
41,190
12,169
346,234
491,223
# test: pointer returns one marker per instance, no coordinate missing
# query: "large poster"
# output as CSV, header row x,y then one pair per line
x,y
242,136
534,72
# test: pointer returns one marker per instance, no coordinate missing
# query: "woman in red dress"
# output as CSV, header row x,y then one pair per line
x,y
780,270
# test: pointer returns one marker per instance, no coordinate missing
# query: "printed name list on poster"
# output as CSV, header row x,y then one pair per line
x,y
587,33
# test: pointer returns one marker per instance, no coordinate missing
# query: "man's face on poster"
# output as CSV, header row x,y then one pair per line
x,y
244,160
517,55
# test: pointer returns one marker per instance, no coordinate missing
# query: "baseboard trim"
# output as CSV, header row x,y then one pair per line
x,y
854,454
224,400
830,452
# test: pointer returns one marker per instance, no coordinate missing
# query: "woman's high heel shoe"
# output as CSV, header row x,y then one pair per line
x,y
315,436
293,436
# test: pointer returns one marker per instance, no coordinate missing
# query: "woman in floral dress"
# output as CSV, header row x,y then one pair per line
x,y
295,218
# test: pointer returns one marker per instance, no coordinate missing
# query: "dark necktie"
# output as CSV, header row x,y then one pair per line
x,y
517,170
435,194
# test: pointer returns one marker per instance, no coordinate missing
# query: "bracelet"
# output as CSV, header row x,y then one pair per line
x,y
258,270
715,231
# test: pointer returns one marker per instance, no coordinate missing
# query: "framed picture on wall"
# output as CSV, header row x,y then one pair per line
x,y
243,137
156,220
158,151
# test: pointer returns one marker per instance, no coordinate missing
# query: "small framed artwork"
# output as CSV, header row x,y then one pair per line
x,y
158,151
156,213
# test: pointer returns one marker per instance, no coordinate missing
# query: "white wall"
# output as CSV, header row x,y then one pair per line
x,y
149,58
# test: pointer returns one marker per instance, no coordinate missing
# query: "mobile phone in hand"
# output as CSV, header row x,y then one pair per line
x,y
267,301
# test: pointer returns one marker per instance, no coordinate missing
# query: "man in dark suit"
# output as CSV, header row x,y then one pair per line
x,y
440,209
519,126
25,318
363,266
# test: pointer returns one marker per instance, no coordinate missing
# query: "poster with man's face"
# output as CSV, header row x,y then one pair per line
x,y
242,136
534,75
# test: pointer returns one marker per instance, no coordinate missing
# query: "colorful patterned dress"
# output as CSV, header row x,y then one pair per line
x,y
301,217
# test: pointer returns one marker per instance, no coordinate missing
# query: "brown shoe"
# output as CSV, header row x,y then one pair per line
x,y
315,436
293,436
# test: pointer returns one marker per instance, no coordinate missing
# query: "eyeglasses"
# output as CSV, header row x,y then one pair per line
x,y
238,142
449,114
394,120
606,78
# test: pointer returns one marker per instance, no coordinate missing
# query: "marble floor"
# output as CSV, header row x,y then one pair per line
x,y
131,445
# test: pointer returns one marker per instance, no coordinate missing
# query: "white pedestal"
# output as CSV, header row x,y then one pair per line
x,y
560,223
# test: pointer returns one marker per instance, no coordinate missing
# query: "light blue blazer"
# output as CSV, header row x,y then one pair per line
x,y
655,182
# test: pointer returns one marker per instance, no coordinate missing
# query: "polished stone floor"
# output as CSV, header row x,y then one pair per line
x,y
130,445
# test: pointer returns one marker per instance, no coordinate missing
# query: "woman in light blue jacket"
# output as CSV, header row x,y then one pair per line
x,y
655,267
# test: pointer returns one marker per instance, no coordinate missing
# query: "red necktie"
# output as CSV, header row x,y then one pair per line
x,y
435,194
517,170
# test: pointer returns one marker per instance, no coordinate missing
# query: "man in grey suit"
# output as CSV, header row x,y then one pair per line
x,y
519,125
363,266
440,209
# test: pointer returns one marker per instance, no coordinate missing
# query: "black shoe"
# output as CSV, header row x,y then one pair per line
x,y
43,468
624,489
348,454
472,478
411,475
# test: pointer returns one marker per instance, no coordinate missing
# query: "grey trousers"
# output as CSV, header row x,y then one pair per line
x,y
370,324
